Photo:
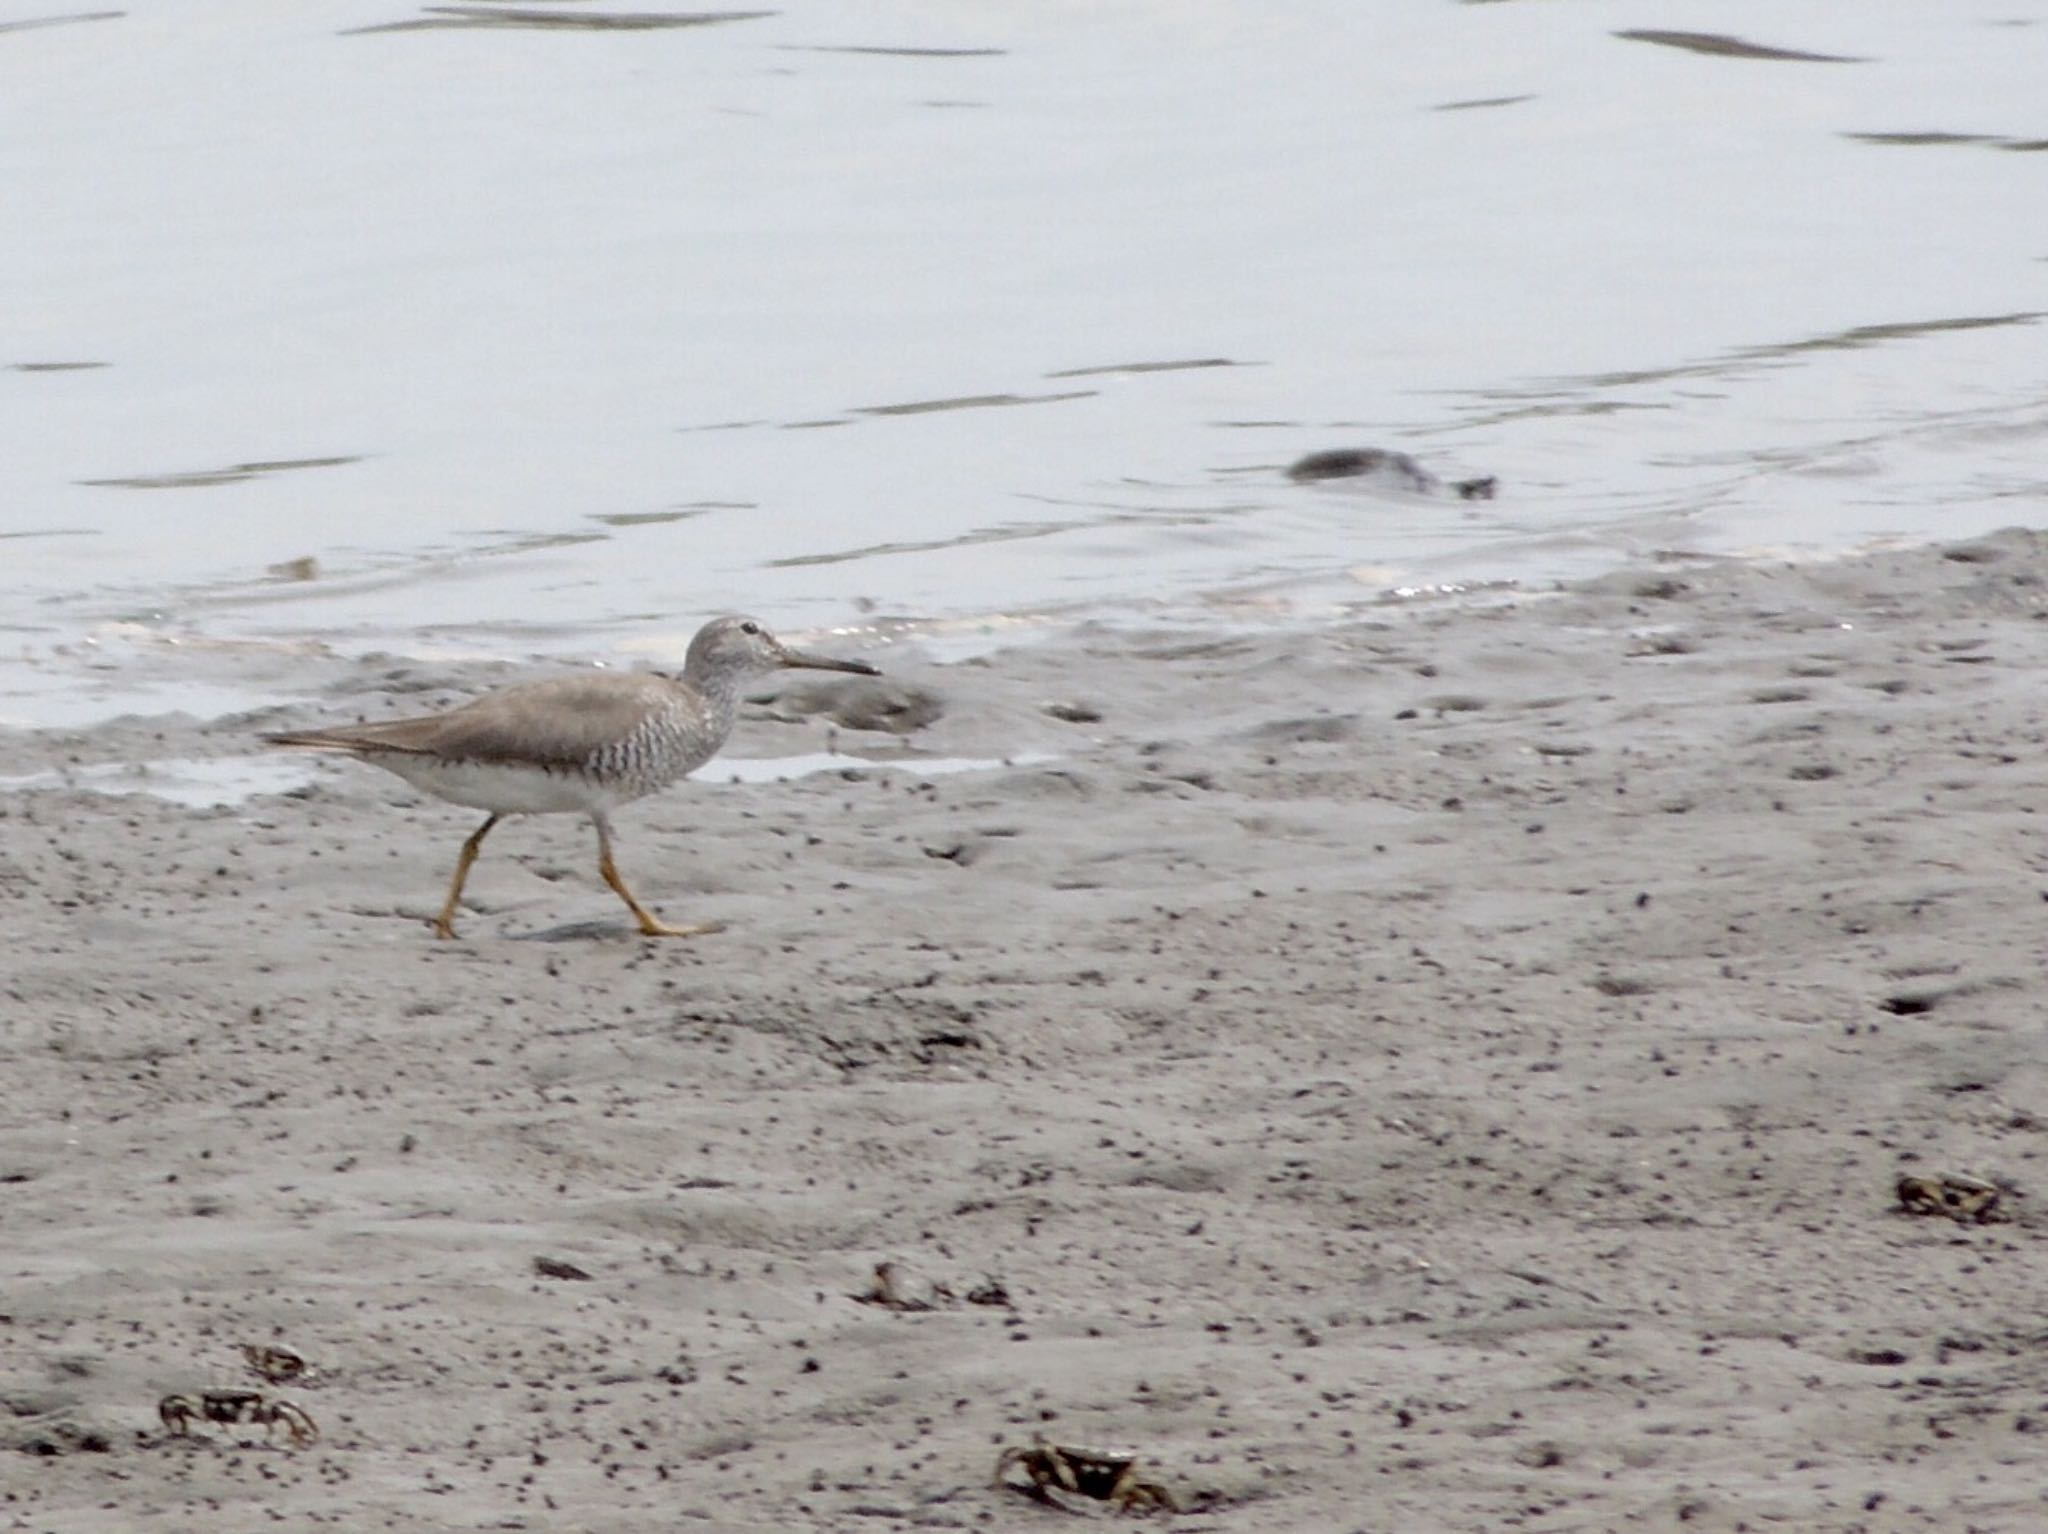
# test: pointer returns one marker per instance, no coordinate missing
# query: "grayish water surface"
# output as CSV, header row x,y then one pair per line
x,y
552,327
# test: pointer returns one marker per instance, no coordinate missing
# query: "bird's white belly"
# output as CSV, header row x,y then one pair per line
x,y
503,789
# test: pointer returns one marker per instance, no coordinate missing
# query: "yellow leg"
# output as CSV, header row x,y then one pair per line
x,y
650,924
444,924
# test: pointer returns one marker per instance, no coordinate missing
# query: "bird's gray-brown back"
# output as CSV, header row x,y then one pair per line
x,y
639,730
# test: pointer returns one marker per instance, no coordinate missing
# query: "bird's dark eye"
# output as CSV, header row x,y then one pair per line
x,y
750,627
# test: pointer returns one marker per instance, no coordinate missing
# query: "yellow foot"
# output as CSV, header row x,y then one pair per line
x,y
654,927
444,929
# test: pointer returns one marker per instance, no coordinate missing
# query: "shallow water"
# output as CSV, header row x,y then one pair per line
x,y
196,782
508,329
212,782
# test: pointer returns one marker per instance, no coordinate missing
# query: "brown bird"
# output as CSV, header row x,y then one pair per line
x,y
585,744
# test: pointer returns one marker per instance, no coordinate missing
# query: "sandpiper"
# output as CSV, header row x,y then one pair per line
x,y
583,744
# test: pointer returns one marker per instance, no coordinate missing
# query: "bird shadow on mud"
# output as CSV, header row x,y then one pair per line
x,y
589,931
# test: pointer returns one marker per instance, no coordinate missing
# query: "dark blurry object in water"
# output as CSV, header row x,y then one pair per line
x,y
1397,470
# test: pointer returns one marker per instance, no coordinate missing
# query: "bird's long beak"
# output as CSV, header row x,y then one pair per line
x,y
804,660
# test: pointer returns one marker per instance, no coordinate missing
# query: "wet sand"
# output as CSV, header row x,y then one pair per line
x,y
1441,1071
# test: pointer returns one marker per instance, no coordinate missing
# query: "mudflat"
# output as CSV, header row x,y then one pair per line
x,y
1447,1068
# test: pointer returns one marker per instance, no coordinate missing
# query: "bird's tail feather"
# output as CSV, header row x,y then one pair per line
x,y
351,737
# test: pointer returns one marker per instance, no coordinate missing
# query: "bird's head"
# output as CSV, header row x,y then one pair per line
x,y
735,647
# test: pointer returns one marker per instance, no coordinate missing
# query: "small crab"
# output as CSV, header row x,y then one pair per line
x,y
252,1406
1967,1200
1102,1475
273,1362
